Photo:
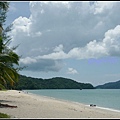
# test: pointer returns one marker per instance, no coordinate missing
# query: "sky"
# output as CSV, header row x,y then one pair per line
x,y
79,40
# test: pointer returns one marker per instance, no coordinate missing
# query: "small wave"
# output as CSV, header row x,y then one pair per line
x,y
106,108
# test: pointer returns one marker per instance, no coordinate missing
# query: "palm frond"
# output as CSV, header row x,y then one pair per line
x,y
4,5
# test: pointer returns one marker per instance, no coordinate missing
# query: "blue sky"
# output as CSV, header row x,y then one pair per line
x,y
77,40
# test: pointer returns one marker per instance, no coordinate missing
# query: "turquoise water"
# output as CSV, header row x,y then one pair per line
x,y
108,98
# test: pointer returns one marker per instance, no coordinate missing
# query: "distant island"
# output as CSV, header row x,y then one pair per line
x,y
109,85
52,83
58,83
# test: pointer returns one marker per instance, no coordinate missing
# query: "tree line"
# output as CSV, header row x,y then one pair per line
x,y
51,83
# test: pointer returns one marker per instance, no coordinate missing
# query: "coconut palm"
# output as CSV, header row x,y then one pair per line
x,y
4,5
3,9
8,58
8,74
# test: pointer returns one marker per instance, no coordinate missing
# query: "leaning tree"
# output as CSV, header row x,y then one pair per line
x,y
9,60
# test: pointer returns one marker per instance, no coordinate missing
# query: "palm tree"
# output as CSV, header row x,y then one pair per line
x,y
4,5
8,74
8,58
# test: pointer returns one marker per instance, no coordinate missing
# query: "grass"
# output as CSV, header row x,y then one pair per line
x,y
3,115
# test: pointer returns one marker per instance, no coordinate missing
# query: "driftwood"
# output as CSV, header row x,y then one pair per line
x,y
6,105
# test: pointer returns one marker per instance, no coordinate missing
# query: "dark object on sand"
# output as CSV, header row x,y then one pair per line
x,y
6,105
92,105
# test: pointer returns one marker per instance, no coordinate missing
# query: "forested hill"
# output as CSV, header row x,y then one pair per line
x,y
52,83
109,85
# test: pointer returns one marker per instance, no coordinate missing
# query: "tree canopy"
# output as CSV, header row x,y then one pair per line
x,y
9,60
51,83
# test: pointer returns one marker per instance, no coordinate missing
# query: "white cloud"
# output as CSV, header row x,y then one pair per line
x,y
57,30
102,6
58,48
44,65
112,41
72,71
20,26
27,60
110,46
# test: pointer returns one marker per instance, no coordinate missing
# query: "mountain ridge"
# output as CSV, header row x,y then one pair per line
x,y
109,85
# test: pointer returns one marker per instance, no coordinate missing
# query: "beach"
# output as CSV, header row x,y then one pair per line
x,y
34,106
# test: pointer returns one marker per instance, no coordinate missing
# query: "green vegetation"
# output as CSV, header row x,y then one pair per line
x,y
8,58
52,83
109,85
3,115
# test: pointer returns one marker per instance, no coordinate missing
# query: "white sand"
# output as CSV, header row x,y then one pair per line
x,y
33,106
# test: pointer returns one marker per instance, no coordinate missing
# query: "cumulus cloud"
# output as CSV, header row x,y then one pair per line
x,y
109,46
100,7
41,65
72,71
63,30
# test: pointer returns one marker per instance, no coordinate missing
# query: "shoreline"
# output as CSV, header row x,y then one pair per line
x,y
105,108
111,109
37,106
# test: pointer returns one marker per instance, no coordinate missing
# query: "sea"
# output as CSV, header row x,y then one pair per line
x,y
102,98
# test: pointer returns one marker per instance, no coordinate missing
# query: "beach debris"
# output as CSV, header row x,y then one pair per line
x,y
92,105
6,105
